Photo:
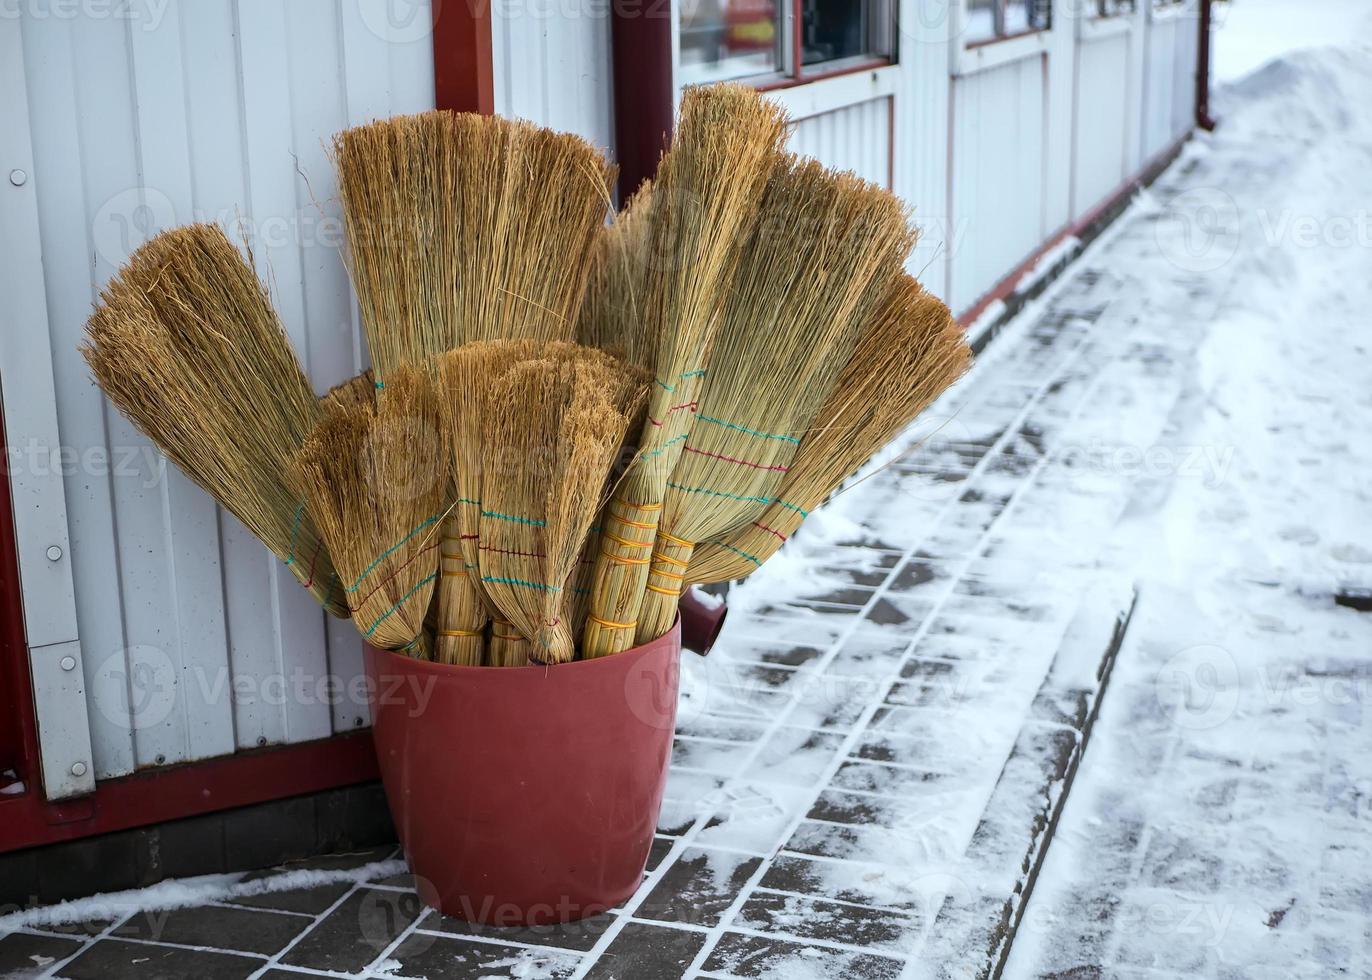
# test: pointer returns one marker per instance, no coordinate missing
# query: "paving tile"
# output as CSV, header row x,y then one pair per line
x,y
431,957
909,890
699,886
869,653
109,959
356,932
215,926
738,955
876,777
661,847
647,952
580,935
795,756
880,930
311,901
23,954
752,817
709,755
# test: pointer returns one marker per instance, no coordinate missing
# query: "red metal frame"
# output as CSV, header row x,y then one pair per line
x,y
463,81
463,77
791,81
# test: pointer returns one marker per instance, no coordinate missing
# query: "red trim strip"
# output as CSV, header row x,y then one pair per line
x,y
158,795
464,79
18,725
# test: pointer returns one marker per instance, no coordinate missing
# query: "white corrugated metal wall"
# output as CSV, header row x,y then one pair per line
x,y
191,640
186,639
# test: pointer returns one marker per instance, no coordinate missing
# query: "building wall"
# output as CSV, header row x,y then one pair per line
x,y
222,109
218,111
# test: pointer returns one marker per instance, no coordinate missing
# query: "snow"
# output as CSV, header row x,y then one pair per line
x,y
1252,32
178,893
1218,825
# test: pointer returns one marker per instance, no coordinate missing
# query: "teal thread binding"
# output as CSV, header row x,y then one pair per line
x,y
519,581
751,432
295,528
372,567
383,617
799,510
663,448
532,522
739,551
718,493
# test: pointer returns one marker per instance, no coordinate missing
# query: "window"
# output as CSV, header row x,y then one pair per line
x,y
775,40
988,20
1113,8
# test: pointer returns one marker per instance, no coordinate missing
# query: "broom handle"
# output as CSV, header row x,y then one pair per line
x,y
509,648
666,580
620,576
461,614
742,551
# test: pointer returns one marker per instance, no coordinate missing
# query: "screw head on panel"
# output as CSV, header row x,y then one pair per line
x,y
54,553
18,178
78,769
68,663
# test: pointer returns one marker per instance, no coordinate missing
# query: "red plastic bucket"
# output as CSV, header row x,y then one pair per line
x,y
526,795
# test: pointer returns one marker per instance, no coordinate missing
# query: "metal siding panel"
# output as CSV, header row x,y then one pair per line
x,y
1102,117
205,116
855,138
189,515
1159,83
275,198
998,174
31,419
552,66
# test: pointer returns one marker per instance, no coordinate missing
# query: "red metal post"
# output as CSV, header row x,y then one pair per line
x,y
1203,118
463,76
641,46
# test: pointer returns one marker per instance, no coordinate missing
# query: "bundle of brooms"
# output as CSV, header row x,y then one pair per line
x,y
491,491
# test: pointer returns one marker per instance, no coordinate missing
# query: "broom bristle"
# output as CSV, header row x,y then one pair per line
x,y
910,352
465,227
809,278
185,343
374,481
553,431
613,315
397,180
703,203
359,390
532,203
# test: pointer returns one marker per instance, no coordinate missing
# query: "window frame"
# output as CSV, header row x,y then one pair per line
x,y
792,72
997,16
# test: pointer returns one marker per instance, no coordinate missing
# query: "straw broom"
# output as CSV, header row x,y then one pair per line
x,y
910,352
810,277
374,479
702,205
358,390
612,319
185,343
466,376
464,227
553,432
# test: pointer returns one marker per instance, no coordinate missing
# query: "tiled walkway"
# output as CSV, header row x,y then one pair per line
x,y
867,763
880,772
